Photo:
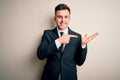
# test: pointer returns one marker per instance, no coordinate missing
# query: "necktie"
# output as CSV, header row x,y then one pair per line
x,y
61,47
61,51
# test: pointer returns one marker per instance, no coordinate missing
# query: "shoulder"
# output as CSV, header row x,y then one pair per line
x,y
75,33
48,31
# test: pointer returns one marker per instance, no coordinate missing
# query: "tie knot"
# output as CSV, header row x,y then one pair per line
x,y
61,33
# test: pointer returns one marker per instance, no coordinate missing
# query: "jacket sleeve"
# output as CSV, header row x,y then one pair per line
x,y
81,55
47,46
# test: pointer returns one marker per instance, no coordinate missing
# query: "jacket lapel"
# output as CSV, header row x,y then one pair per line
x,y
55,33
67,45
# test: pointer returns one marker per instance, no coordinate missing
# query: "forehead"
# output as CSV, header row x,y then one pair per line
x,y
62,12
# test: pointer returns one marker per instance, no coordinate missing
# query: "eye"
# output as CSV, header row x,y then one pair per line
x,y
66,16
58,16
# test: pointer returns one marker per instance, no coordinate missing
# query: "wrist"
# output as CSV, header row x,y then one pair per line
x,y
83,44
59,40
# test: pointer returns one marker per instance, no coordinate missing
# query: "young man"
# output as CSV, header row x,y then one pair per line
x,y
63,51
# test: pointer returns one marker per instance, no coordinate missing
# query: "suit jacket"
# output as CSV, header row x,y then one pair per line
x,y
56,63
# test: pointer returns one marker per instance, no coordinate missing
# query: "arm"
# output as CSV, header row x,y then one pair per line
x,y
47,46
82,52
81,55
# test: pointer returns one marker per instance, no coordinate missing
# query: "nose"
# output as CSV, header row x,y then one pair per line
x,y
63,18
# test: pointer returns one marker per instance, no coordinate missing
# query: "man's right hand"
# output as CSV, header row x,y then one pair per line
x,y
64,39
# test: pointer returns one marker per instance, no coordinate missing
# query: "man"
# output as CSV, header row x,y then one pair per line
x,y
63,51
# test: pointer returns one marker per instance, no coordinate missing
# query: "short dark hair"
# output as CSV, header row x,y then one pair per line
x,y
62,7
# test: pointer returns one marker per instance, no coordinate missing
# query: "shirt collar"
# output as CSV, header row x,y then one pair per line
x,y
65,31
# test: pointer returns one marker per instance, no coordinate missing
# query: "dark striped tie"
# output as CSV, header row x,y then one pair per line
x,y
61,51
61,47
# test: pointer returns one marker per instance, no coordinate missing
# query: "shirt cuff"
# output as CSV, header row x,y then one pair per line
x,y
83,46
58,44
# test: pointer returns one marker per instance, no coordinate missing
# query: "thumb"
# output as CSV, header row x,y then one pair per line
x,y
85,36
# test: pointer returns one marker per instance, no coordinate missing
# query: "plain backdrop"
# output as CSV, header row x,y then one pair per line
x,y
22,23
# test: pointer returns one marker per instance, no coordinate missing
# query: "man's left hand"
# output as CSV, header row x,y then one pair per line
x,y
87,38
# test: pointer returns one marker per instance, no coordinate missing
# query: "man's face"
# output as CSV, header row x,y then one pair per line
x,y
62,18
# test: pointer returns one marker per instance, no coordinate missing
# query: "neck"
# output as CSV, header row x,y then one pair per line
x,y
62,29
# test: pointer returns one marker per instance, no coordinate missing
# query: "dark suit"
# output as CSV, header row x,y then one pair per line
x,y
66,64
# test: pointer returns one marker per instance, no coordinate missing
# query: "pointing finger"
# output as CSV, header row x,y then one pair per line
x,y
74,36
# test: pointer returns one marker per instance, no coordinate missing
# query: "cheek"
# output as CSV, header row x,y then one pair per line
x,y
58,20
68,19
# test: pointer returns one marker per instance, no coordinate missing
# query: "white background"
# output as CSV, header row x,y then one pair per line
x,y
22,23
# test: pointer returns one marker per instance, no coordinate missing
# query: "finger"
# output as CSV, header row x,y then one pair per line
x,y
84,36
93,36
74,36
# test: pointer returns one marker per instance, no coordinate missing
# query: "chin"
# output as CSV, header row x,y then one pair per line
x,y
62,28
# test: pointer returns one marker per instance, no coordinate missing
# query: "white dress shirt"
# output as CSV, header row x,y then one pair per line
x,y
58,44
